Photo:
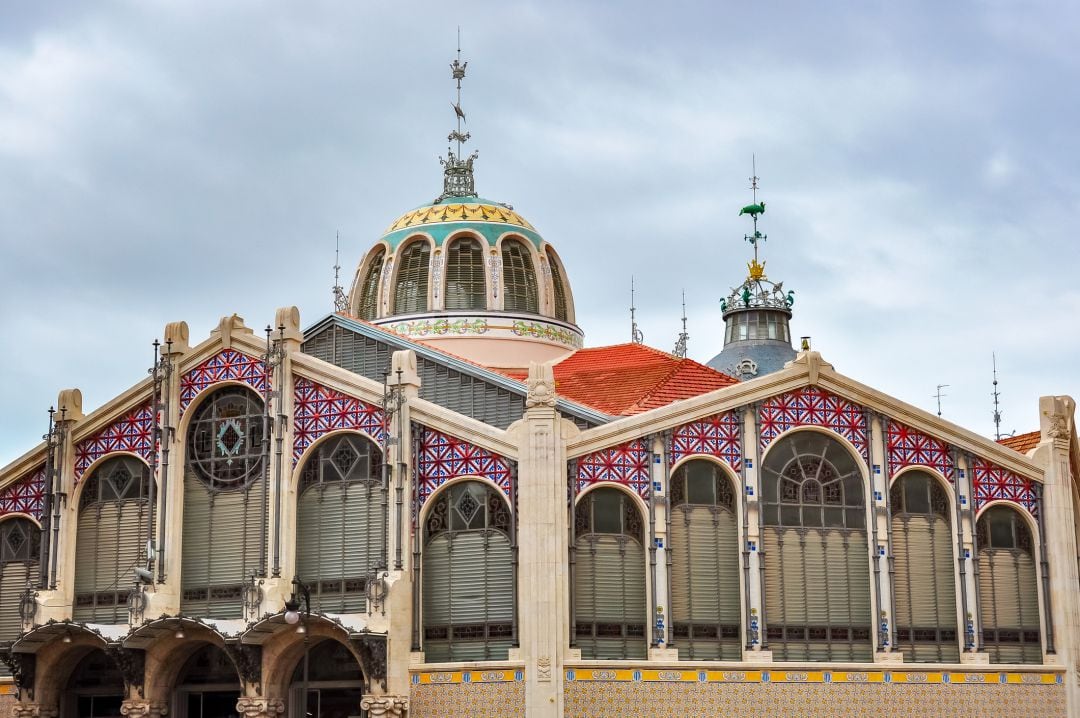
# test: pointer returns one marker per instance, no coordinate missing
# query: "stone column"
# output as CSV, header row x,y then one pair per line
x,y
756,618
57,604
399,601
660,627
881,578
1058,428
543,614
966,497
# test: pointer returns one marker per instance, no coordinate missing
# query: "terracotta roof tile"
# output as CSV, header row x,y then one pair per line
x,y
626,379
1022,443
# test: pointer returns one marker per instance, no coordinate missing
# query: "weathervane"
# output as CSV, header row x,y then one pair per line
x,y
341,302
636,335
458,180
684,336
757,269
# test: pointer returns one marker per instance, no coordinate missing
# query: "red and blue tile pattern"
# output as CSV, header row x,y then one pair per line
x,y
25,496
318,410
993,483
227,365
718,435
134,433
626,464
811,406
444,457
908,447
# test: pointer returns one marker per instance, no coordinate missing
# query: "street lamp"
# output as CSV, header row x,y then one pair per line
x,y
300,590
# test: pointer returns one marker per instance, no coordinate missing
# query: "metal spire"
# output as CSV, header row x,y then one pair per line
x,y
938,396
636,336
458,180
341,302
997,410
684,337
757,269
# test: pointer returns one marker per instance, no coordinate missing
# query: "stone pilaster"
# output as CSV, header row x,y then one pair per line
x,y
756,618
1059,506
543,629
884,621
57,604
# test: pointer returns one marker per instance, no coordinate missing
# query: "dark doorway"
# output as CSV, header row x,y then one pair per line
x,y
335,683
95,689
208,686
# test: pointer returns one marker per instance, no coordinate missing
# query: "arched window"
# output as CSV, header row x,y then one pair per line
x,y
817,566
924,583
411,292
335,683
519,278
224,515
341,522
562,311
208,684
1008,592
368,307
465,285
704,544
609,576
111,538
20,546
468,591
95,687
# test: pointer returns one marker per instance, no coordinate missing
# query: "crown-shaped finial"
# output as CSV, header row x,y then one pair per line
x,y
458,179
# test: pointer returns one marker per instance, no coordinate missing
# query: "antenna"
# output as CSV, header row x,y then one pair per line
x,y
636,335
938,395
341,302
997,409
684,337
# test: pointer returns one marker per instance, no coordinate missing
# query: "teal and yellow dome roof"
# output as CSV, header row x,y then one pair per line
x,y
439,220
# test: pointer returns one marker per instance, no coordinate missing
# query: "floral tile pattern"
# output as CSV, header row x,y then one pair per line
x,y
719,435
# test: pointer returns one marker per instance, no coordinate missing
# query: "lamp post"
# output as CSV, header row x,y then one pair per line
x,y
300,590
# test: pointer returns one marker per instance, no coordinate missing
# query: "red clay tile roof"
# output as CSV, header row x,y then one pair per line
x,y
1022,443
626,379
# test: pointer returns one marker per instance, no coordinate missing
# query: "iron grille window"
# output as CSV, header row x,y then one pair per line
x,y
609,576
369,290
924,583
465,284
520,293
468,591
111,538
817,576
341,522
704,542
225,441
1008,590
411,292
559,288
20,546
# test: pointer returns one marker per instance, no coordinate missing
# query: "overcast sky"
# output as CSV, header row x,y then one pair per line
x,y
187,159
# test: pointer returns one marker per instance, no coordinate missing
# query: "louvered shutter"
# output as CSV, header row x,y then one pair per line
x,y
1010,602
925,588
436,595
610,591
109,544
13,577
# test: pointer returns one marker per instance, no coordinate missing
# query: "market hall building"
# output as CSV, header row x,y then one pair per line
x,y
434,501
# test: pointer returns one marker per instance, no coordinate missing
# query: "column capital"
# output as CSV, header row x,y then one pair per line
x,y
385,706
255,707
134,708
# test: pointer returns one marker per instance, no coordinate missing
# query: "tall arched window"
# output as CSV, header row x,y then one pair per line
x,y
411,291
468,576
1008,592
111,538
562,311
224,517
925,586
20,546
519,278
465,284
609,576
817,566
704,543
368,307
341,522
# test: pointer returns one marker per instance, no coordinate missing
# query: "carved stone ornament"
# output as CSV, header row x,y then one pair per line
x,y
250,707
33,710
143,709
372,651
541,386
543,669
248,660
21,666
389,706
130,661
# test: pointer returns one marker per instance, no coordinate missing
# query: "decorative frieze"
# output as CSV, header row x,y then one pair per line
x,y
909,447
133,432
718,435
227,365
626,464
443,457
25,496
812,406
319,410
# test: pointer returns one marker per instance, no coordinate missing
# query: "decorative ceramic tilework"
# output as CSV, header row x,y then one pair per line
x,y
713,436
226,365
626,464
25,496
811,406
443,457
133,432
641,699
993,483
908,447
319,409
467,700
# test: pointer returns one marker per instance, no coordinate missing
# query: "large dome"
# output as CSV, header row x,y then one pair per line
x,y
472,277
